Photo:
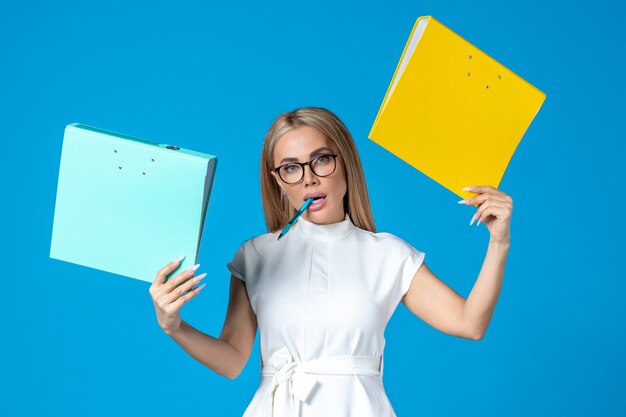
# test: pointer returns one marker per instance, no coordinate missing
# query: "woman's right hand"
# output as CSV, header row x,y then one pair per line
x,y
170,295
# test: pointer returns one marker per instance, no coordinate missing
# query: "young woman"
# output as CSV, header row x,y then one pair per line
x,y
323,294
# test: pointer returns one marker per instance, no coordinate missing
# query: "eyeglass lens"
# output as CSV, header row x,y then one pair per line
x,y
321,166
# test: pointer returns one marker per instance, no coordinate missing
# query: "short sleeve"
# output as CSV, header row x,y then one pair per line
x,y
413,259
237,265
245,261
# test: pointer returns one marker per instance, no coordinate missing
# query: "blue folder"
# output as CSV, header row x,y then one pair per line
x,y
127,205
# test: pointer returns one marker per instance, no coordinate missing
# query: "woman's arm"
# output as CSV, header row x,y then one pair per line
x,y
439,305
430,299
482,299
228,354
216,354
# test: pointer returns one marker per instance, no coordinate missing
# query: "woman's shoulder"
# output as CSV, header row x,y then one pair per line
x,y
385,240
261,243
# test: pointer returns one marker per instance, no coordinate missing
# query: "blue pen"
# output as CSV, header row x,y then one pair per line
x,y
293,220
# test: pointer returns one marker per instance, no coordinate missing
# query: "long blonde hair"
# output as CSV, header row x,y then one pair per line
x,y
356,202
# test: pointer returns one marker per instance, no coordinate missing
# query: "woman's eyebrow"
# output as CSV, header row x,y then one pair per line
x,y
324,148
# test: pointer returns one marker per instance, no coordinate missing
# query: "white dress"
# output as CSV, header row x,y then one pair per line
x,y
323,295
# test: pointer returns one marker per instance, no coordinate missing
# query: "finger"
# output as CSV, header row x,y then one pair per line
x,y
474,200
174,282
183,288
495,210
495,202
479,188
479,199
161,276
191,294
488,189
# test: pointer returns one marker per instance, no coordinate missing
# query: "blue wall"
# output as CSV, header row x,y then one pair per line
x,y
212,76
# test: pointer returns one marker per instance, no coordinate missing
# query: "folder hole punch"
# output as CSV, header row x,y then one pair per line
x,y
438,78
100,229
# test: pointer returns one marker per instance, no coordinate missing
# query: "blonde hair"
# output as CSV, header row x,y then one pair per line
x,y
356,202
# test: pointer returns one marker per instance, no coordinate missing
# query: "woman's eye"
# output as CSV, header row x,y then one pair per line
x,y
323,159
290,168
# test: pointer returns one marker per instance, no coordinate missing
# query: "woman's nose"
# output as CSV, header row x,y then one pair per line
x,y
309,176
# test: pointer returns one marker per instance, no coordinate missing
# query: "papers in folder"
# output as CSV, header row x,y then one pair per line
x,y
453,112
127,205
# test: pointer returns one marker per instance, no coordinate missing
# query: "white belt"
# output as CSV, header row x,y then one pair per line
x,y
292,382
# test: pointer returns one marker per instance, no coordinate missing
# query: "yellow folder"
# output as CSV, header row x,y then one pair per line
x,y
453,112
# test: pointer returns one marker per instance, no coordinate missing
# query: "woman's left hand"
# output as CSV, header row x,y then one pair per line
x,y
494,209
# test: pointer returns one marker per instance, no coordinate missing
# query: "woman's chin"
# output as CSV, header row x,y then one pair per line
x,y
317,216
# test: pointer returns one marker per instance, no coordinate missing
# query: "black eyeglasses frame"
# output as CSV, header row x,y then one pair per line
x,y
302,164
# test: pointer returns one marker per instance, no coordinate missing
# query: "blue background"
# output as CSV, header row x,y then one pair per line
x,y
212,77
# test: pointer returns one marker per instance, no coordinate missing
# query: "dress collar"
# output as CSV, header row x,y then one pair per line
x,y
326,232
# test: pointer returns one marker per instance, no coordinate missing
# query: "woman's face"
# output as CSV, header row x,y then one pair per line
x,y
303,144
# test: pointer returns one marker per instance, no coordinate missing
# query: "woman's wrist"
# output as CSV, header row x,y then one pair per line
x,y
176,330
504,244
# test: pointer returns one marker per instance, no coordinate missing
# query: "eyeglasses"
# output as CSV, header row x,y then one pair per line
x,y
322,166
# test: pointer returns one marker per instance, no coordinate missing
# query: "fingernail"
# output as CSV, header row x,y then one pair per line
x,y
462,202
199,277
200,287
467,188
478,223
194,268
473,218
180,259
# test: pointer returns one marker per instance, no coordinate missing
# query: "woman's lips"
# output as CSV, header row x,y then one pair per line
x,y
317,205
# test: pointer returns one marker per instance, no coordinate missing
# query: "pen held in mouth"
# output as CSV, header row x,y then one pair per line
x,y
295,217
318,204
